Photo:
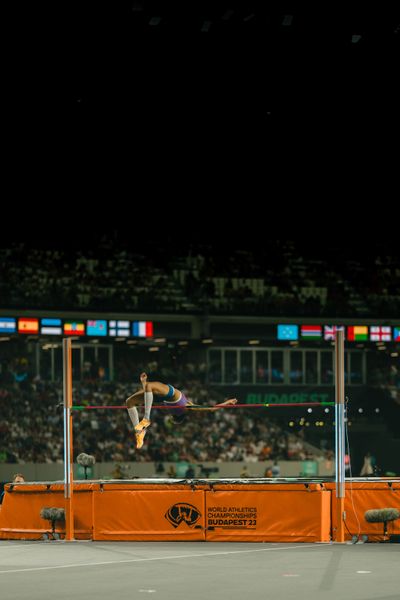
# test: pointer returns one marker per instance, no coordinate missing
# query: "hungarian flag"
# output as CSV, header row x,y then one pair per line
x,y
28,325
311,332
142,328
74,328
330,331
357,333
380,334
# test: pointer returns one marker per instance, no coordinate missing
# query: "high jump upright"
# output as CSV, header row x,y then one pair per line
x,y
68,441
339,434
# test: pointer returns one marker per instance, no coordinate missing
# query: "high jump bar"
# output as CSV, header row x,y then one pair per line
x,y
169,407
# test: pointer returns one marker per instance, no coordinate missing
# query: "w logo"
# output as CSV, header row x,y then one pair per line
x,y
182,512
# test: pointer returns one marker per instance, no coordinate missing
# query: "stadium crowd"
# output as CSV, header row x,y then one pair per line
x,y
31,429
276,278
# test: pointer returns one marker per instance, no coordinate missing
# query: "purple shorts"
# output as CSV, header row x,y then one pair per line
x,y
181,402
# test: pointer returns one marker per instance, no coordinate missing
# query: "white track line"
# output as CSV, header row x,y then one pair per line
x,y
132,560
8,546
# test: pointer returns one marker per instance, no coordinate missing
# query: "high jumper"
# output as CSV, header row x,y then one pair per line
x,y
180,405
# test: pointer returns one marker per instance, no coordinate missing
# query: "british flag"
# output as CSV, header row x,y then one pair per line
x,y
380,334
330,331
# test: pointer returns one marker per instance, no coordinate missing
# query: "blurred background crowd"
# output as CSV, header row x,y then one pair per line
x,y
273,278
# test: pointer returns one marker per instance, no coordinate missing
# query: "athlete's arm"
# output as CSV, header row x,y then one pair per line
x,y
196,407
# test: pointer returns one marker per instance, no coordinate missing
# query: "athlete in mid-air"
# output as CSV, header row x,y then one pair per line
x,y
172,397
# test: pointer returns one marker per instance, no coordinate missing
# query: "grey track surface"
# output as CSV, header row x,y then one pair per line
x,y
197,571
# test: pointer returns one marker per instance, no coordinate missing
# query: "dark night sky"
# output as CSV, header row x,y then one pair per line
x,y
139,69
195,134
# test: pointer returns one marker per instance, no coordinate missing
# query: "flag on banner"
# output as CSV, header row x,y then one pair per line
x,y
396,334
357,333
380,334
119,328
311,332
330,331
28,325
142,328
51,326
96,327
8,325
74,328
288,332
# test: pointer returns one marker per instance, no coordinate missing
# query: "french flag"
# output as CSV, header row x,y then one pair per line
x,y
142,329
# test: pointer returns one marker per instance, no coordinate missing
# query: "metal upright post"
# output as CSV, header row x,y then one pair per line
x,y
68,441
339,434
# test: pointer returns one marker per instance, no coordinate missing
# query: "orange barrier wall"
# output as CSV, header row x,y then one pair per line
x,y
267,512
149,515
271,515
363,496
175,512
20,511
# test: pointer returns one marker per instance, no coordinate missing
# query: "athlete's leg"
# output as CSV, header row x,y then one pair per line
x,y
161,389
148,402
155,387
150,388
136,399
131,403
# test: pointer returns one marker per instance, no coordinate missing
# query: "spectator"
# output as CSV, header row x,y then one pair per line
x,y
368,466
171,473
276,470
244,472
160,469
17,478
118,472
189,472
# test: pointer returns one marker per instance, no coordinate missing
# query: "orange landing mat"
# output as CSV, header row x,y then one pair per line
x,y
198,510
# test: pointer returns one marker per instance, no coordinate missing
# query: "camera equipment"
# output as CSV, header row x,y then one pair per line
x,y
86,460
53,515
